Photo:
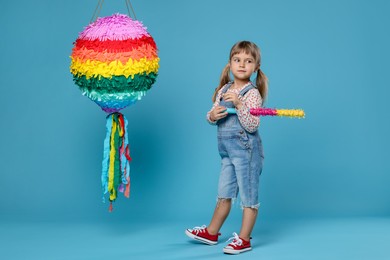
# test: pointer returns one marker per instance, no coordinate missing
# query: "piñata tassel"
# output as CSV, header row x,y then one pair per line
x,y
106,157
115,173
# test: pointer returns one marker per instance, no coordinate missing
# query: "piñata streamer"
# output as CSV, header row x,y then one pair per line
x,y
116,159
299,113
114,62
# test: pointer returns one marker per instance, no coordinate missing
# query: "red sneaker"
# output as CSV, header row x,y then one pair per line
x,y
201,234
238,245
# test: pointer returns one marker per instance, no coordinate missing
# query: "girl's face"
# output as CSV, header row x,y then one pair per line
x,y
242,65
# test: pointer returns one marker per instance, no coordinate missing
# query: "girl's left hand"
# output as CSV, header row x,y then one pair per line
x,y
233,97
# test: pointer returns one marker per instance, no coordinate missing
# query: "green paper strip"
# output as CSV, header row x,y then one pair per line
x,y
116,84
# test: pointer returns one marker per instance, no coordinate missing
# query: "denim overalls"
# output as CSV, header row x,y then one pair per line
x,y
242,157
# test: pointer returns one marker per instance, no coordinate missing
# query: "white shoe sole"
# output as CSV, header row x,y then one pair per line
x,y
201,239
235,252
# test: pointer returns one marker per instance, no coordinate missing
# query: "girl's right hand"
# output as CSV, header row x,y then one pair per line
x,y
217,113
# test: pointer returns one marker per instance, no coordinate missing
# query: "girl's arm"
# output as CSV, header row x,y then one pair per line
x,y
216,103
252,99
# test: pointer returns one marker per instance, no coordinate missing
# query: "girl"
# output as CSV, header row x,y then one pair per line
x,y
239,146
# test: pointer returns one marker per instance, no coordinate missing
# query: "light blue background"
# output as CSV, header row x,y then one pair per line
x,y
330,58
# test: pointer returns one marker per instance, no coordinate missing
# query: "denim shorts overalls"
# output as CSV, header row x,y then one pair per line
x,y
242,157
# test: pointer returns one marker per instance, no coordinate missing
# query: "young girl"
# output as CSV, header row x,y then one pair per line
x,y
239,146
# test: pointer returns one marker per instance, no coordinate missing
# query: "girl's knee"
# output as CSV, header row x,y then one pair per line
x,y
224,201
251,207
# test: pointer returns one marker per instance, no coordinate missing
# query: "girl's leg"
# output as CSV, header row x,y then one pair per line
x,y
220,214
249,216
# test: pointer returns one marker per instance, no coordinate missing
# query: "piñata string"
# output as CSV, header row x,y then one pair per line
x,y
97,11
100,5
128,3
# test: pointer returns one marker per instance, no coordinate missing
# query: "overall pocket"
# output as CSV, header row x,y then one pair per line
x,y
244,139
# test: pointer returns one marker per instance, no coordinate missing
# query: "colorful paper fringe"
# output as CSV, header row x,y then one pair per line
x,y
114,62
116,158
272,112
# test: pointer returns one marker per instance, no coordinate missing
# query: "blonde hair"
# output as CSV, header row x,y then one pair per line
x,y
261,78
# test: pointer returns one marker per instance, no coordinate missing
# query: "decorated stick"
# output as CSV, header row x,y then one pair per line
x,y
272,112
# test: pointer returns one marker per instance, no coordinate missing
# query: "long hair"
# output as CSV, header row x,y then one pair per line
x,y
261,78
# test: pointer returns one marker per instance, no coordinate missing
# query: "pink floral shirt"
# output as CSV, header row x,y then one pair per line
x,y
251,99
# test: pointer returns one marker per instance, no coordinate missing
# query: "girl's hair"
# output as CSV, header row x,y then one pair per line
x,y
261,78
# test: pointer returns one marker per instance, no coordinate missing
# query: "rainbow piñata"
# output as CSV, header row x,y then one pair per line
x,y
114,62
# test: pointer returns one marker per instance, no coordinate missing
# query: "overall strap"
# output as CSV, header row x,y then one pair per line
x,y
226,87
242,92
246,89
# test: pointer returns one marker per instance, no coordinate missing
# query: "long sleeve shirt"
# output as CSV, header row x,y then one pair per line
x,y
251,99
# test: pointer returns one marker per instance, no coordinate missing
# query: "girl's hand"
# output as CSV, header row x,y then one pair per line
x,y
217,113
229,96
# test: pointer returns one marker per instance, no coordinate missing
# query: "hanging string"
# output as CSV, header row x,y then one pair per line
x,y
128,4
97,10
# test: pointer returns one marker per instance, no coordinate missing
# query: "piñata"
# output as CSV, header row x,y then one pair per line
x,y
114,62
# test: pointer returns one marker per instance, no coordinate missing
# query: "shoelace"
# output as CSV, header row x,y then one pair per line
x,y
199,229
236,240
